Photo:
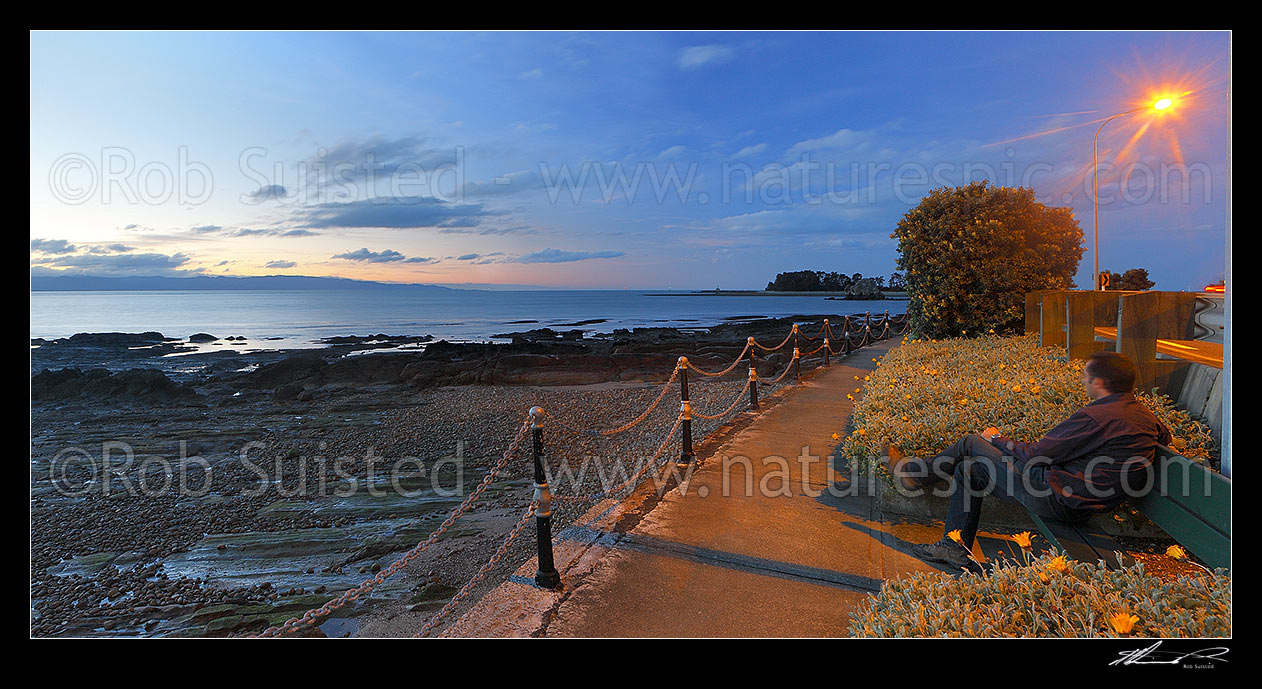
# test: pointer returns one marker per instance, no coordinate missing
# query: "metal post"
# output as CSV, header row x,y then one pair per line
x,y
867,318
826,352
846,337
547,576
753,377
797,369
686,456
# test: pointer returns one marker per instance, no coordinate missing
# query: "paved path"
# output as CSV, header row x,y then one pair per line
x,y
765,539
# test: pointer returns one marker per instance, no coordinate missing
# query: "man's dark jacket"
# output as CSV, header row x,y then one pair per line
x,y
1112,440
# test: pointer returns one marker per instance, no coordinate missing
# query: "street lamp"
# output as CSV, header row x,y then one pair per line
x,y
1159,104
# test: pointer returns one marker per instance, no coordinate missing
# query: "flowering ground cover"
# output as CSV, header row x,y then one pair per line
x,y
1049,596
925,394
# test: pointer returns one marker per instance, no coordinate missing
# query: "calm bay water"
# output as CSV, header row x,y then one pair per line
x,y
299,318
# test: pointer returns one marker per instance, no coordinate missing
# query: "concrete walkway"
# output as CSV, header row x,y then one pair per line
x,y
764,539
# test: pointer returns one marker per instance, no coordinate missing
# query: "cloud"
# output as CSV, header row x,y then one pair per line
x,y
205,229
119,264
111,249
408,213
696,56
52,246
750,151
364,255
467,257
270,192
842,139
379,158
560,256
535,73
511,183
672,152
280,264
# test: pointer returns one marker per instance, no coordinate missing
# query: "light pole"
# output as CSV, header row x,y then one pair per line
x,y
1160,104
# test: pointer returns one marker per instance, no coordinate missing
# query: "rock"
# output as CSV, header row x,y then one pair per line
x,y
288,391
135,386
202,338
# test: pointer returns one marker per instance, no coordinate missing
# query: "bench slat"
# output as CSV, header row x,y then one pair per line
x,y
1081,543
1184,526
1196,489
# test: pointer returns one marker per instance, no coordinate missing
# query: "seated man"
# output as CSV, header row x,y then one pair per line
x,y
1088,464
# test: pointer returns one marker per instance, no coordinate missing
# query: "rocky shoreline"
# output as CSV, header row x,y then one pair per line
x,y
282,451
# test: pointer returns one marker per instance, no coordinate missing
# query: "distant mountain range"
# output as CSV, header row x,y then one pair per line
x,y
66,283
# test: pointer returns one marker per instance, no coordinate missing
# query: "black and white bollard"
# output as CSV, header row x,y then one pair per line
x,y
686,455
547,576
753,386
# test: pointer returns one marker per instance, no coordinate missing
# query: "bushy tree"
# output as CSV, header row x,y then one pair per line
x,y
1134,279
971,253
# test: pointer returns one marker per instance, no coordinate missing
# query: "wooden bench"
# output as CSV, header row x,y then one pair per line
x,y
1189,502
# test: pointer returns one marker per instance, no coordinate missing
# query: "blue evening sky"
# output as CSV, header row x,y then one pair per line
x,y
681,160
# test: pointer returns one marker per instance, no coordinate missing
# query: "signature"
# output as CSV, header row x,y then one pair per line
x,y
1151,656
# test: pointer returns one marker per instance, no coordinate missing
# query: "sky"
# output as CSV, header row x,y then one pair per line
x,y
603,160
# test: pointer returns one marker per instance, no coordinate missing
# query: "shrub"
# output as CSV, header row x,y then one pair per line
x,y
926,394
971,253
1048,598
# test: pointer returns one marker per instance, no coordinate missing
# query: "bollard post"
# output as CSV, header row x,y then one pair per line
x,y
547,575
753,387
846,336
826,353
867,335
797,370
867,318
753,377
686,455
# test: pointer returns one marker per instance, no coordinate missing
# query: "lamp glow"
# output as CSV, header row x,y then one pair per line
x,y
1163,103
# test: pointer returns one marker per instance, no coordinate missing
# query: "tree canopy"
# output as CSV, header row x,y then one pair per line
x,y
1134,279
971,253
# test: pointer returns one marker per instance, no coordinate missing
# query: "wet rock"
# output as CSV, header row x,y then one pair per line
x,y
200,338
133,386
288,391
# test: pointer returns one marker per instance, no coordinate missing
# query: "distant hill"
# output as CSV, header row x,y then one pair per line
x,y
90,283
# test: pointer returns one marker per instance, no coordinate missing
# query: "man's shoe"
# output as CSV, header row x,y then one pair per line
x,y
945,551
900,465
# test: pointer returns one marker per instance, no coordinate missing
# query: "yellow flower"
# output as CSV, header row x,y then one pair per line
x,y
850,397
905,418
867,377
1016,388
859,431
1044,578
1177,552
1058,564
955,536
1036,388
1022,539
1122,622
836,436
1003,382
